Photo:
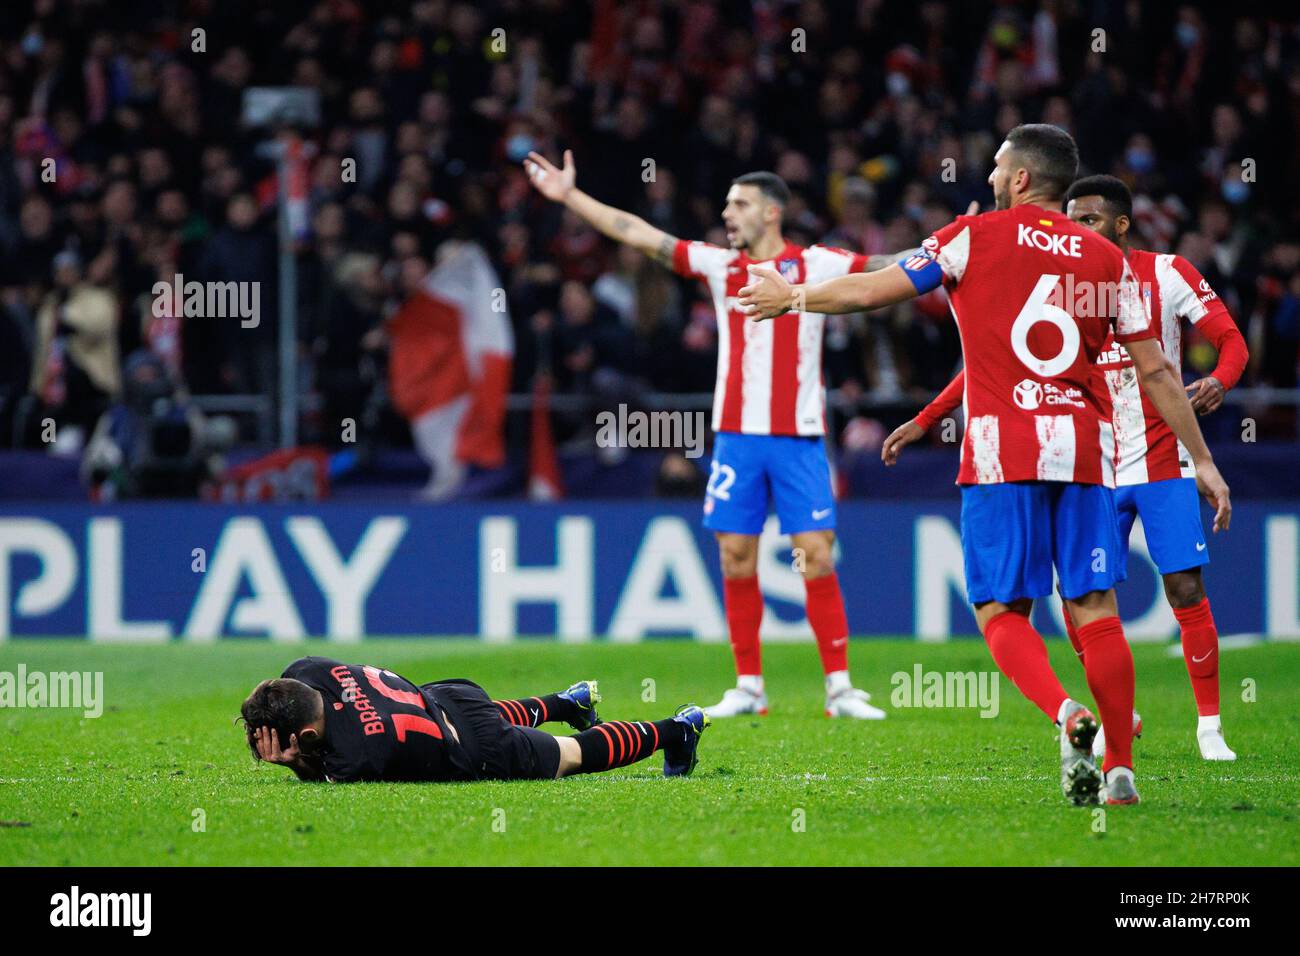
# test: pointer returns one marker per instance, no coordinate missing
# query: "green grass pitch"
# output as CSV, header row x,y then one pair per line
x,y
926,786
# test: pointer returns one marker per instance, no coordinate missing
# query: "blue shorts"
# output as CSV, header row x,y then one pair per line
x,y
749,471
1013,534
1171,518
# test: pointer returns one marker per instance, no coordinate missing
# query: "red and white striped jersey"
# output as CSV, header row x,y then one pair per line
x,y
769,373
1146,448
1035,298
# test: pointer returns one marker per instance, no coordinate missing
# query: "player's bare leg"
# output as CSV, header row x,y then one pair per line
x,y
815,555
570,757
1200,638
744,605
1108,664
1021,655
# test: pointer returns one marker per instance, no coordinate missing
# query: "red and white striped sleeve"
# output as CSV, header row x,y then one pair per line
x,y
700,260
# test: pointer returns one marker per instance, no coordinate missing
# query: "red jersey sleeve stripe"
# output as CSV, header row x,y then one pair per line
x,y
682,258
1224,335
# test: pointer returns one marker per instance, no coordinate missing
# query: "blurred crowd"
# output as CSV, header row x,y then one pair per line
x,y
882,115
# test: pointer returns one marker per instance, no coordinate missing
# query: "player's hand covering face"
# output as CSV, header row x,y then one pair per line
x,y
268,747
767,295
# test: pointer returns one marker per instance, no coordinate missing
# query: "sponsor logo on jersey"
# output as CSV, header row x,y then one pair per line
x,y
1030,395
1058,245
1114,355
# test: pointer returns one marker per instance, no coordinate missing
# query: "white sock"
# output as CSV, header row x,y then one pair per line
x,y
753,683
837,681
1209,723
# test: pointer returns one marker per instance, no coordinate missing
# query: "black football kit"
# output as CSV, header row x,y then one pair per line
x,y
380,726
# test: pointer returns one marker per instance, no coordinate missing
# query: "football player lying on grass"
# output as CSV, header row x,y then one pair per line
x,y
348,722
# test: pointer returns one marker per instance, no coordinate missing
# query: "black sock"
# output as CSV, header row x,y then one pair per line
x,y
531,711
617,743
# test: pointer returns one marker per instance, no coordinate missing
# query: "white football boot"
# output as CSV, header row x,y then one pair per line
x,y
1209,735
1099,742
852,702
845,700
747,697
1120,788
1081,781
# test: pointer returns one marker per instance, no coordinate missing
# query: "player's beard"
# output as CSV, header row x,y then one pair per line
x,y
1001,198
745,238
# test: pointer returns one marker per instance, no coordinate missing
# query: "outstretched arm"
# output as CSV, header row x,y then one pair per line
x,y
1158,381
887,281
558,185
770,295
884,261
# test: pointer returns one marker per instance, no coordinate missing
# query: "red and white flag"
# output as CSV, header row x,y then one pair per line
x,y
452,339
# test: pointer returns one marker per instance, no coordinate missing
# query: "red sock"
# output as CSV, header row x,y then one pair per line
x,y
1072,633
1201,652
1021,655
829,622
744,603
1109,667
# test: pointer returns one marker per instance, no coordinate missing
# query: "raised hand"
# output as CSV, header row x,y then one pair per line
x,y
553,183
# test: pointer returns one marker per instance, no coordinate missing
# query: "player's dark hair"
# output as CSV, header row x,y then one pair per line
x,y
283,704
769,184
1114,192
1048,152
